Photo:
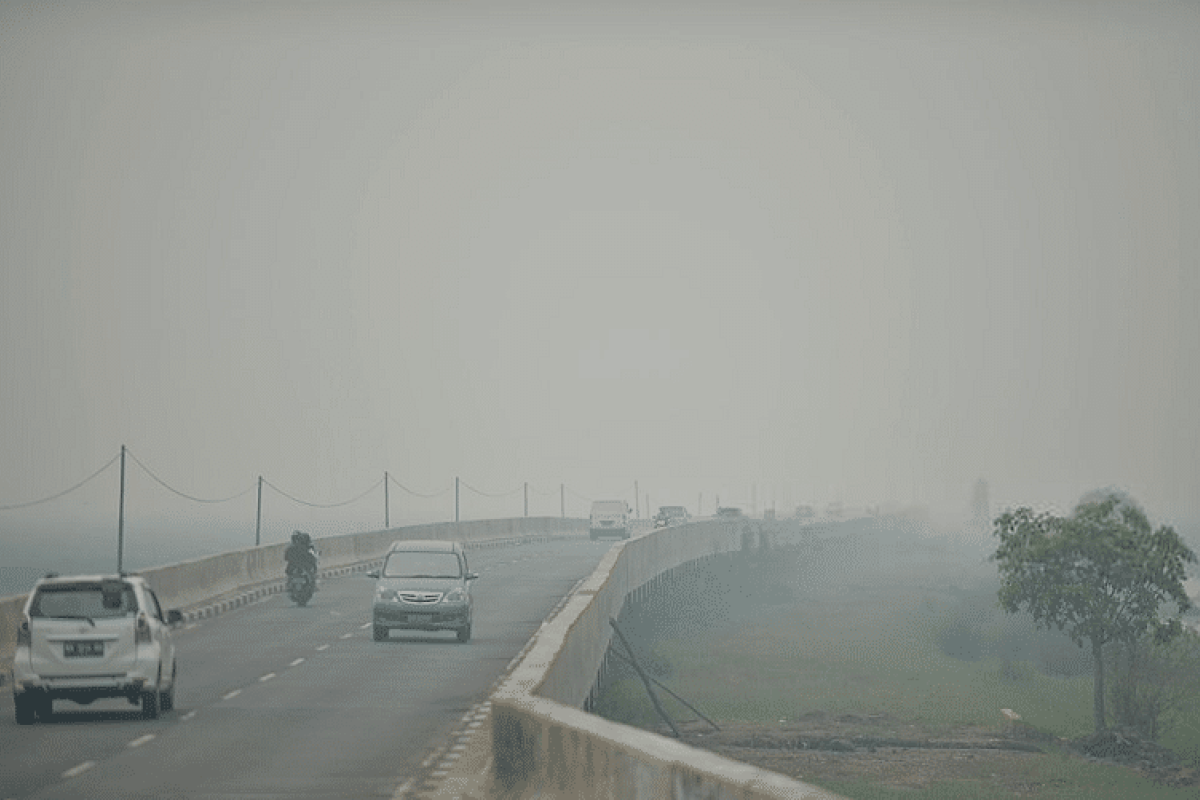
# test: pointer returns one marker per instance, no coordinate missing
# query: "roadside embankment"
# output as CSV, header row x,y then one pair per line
x,y
545,745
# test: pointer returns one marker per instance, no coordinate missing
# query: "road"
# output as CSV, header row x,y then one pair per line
x,y
280,701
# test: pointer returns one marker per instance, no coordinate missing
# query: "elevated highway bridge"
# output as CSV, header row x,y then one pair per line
x,y
275,700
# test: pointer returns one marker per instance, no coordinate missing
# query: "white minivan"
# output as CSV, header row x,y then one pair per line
x,y
83,637
609,518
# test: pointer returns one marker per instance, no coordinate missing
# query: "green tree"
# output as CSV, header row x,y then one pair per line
x,y
1101,575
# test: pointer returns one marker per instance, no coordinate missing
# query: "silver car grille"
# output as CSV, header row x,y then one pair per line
x,y
420,597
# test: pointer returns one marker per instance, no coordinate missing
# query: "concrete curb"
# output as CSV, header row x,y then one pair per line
x,y
245,596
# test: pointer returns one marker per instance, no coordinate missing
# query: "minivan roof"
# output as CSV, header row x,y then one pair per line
x,y
425,546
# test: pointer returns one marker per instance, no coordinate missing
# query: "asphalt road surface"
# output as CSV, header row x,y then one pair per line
x,y
275,700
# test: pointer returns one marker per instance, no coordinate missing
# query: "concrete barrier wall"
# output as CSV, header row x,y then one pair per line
x,y
192,582
544,745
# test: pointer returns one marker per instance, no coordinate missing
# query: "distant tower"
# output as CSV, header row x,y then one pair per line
x,y
981,513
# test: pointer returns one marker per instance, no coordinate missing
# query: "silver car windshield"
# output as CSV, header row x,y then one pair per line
x,y
422,565
84,601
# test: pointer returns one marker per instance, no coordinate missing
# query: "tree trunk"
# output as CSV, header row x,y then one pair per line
x,y
1098,685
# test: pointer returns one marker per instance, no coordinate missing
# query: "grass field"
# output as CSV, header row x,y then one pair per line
x,y
863,641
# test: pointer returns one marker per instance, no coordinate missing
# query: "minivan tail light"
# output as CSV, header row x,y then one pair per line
x,y
24,635
143,630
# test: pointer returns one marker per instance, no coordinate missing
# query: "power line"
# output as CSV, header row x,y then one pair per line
x,y
162,483
419,494
578,496
63,492
489,494
323,505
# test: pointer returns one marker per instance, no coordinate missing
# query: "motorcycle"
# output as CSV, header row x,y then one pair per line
x,y
300,586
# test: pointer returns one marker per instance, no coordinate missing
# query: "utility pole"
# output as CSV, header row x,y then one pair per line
x,y
121,519
456,498
387,520
258,516
637,502
562,500
527,498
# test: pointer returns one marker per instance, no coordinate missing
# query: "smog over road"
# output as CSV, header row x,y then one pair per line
x,y
773,254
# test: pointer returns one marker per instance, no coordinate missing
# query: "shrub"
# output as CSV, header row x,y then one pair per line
x,y
1152,681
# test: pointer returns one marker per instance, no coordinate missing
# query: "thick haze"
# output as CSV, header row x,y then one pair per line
x,y
835,252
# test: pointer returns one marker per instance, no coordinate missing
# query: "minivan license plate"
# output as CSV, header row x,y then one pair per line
x,y
83,649
420,618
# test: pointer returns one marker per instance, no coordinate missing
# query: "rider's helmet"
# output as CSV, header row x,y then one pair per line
x,y
298,537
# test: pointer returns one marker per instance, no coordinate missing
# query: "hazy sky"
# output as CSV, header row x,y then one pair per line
x,y
859,251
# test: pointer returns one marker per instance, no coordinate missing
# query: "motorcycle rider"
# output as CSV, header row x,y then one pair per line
x,y
301,556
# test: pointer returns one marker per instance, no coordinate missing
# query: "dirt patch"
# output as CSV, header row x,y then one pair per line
x,y
820,748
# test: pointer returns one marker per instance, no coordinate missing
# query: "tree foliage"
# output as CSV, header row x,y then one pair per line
x,y
1101,574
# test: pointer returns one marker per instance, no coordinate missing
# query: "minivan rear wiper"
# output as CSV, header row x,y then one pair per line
x,y
91,621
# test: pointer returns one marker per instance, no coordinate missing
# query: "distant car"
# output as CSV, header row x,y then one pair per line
x,y
729,511
804,512
609,518
89,636
670,515
423,585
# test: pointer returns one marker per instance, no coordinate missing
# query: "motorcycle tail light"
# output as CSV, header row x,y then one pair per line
x,y
24,635
143,630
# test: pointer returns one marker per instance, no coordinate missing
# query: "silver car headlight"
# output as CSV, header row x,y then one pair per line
x,y
385,594
455,596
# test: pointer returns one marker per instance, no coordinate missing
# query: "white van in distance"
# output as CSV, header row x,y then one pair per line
x,y
610,518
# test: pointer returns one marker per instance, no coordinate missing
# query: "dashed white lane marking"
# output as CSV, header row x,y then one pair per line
x,y
266,677
402,790
188,716
84,767
365,625
296,663
231,695
347,635
141,740
322,647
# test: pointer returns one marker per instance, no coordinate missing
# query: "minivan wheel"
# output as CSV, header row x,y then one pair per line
x,y
380,633
464,633
150,705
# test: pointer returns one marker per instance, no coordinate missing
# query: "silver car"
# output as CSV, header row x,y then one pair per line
x,y
424,585
89,636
